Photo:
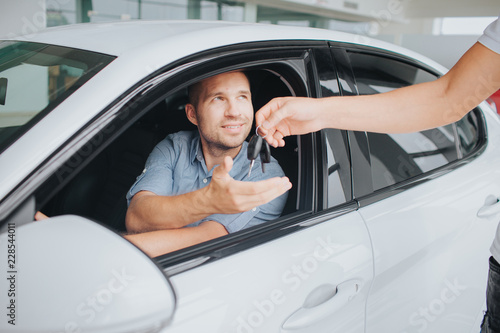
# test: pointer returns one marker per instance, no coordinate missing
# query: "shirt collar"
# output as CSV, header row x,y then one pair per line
x,y
197,154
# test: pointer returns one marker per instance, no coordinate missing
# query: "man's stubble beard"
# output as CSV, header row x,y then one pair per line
x,y
218,148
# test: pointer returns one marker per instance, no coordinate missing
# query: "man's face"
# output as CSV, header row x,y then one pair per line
x,y
224,112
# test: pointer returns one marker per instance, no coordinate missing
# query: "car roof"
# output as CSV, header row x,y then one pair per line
x,y
115,38
119,38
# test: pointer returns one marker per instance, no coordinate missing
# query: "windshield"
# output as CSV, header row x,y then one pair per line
x,y
35,78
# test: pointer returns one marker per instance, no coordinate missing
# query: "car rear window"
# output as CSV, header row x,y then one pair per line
x,y
35,78
399,157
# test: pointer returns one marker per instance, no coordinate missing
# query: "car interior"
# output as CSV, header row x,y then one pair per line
x,y
98,190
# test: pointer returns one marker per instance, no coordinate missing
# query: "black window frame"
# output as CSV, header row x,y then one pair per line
x,y
327,71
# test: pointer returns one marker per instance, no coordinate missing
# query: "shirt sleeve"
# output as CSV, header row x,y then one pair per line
x,y
257,215
157,176
491,36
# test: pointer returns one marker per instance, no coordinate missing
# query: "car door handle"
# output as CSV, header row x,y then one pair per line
x,y
491,207
321,303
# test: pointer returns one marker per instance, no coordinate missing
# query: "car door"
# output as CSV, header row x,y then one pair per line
x,y
310,271
428,209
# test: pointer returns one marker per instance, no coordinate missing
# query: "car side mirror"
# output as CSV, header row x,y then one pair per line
x,y
68,274
3,90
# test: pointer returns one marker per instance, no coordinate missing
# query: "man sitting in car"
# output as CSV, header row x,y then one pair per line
x,y
196,185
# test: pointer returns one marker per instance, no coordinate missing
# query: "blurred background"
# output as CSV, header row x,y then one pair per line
x,y
440,29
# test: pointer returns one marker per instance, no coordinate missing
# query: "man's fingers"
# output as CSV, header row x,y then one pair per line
x,y
262,114
222,170
242,195
261,192
228,163
265,185
276,140
269,116
277,187
40,216
278,136
272,120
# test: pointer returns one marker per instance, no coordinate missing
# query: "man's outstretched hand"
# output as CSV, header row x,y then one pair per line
x,y
229,196
284,116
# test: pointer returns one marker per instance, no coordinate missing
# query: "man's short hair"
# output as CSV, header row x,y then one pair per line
x,y
194,93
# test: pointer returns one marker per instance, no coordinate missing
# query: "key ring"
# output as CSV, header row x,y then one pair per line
x,y
257,132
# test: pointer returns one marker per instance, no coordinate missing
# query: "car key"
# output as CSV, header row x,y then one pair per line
x,y
254,147
265,154
258,146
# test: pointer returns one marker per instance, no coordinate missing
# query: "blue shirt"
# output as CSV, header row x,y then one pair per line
x,y
177,166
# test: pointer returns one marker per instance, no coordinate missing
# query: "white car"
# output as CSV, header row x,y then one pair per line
x,y
381,233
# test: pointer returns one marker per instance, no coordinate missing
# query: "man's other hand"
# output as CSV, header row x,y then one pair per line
x,y
229,196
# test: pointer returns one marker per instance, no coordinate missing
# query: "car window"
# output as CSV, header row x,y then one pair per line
x,y
376,74
398,157
97,188
35,78
468,131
